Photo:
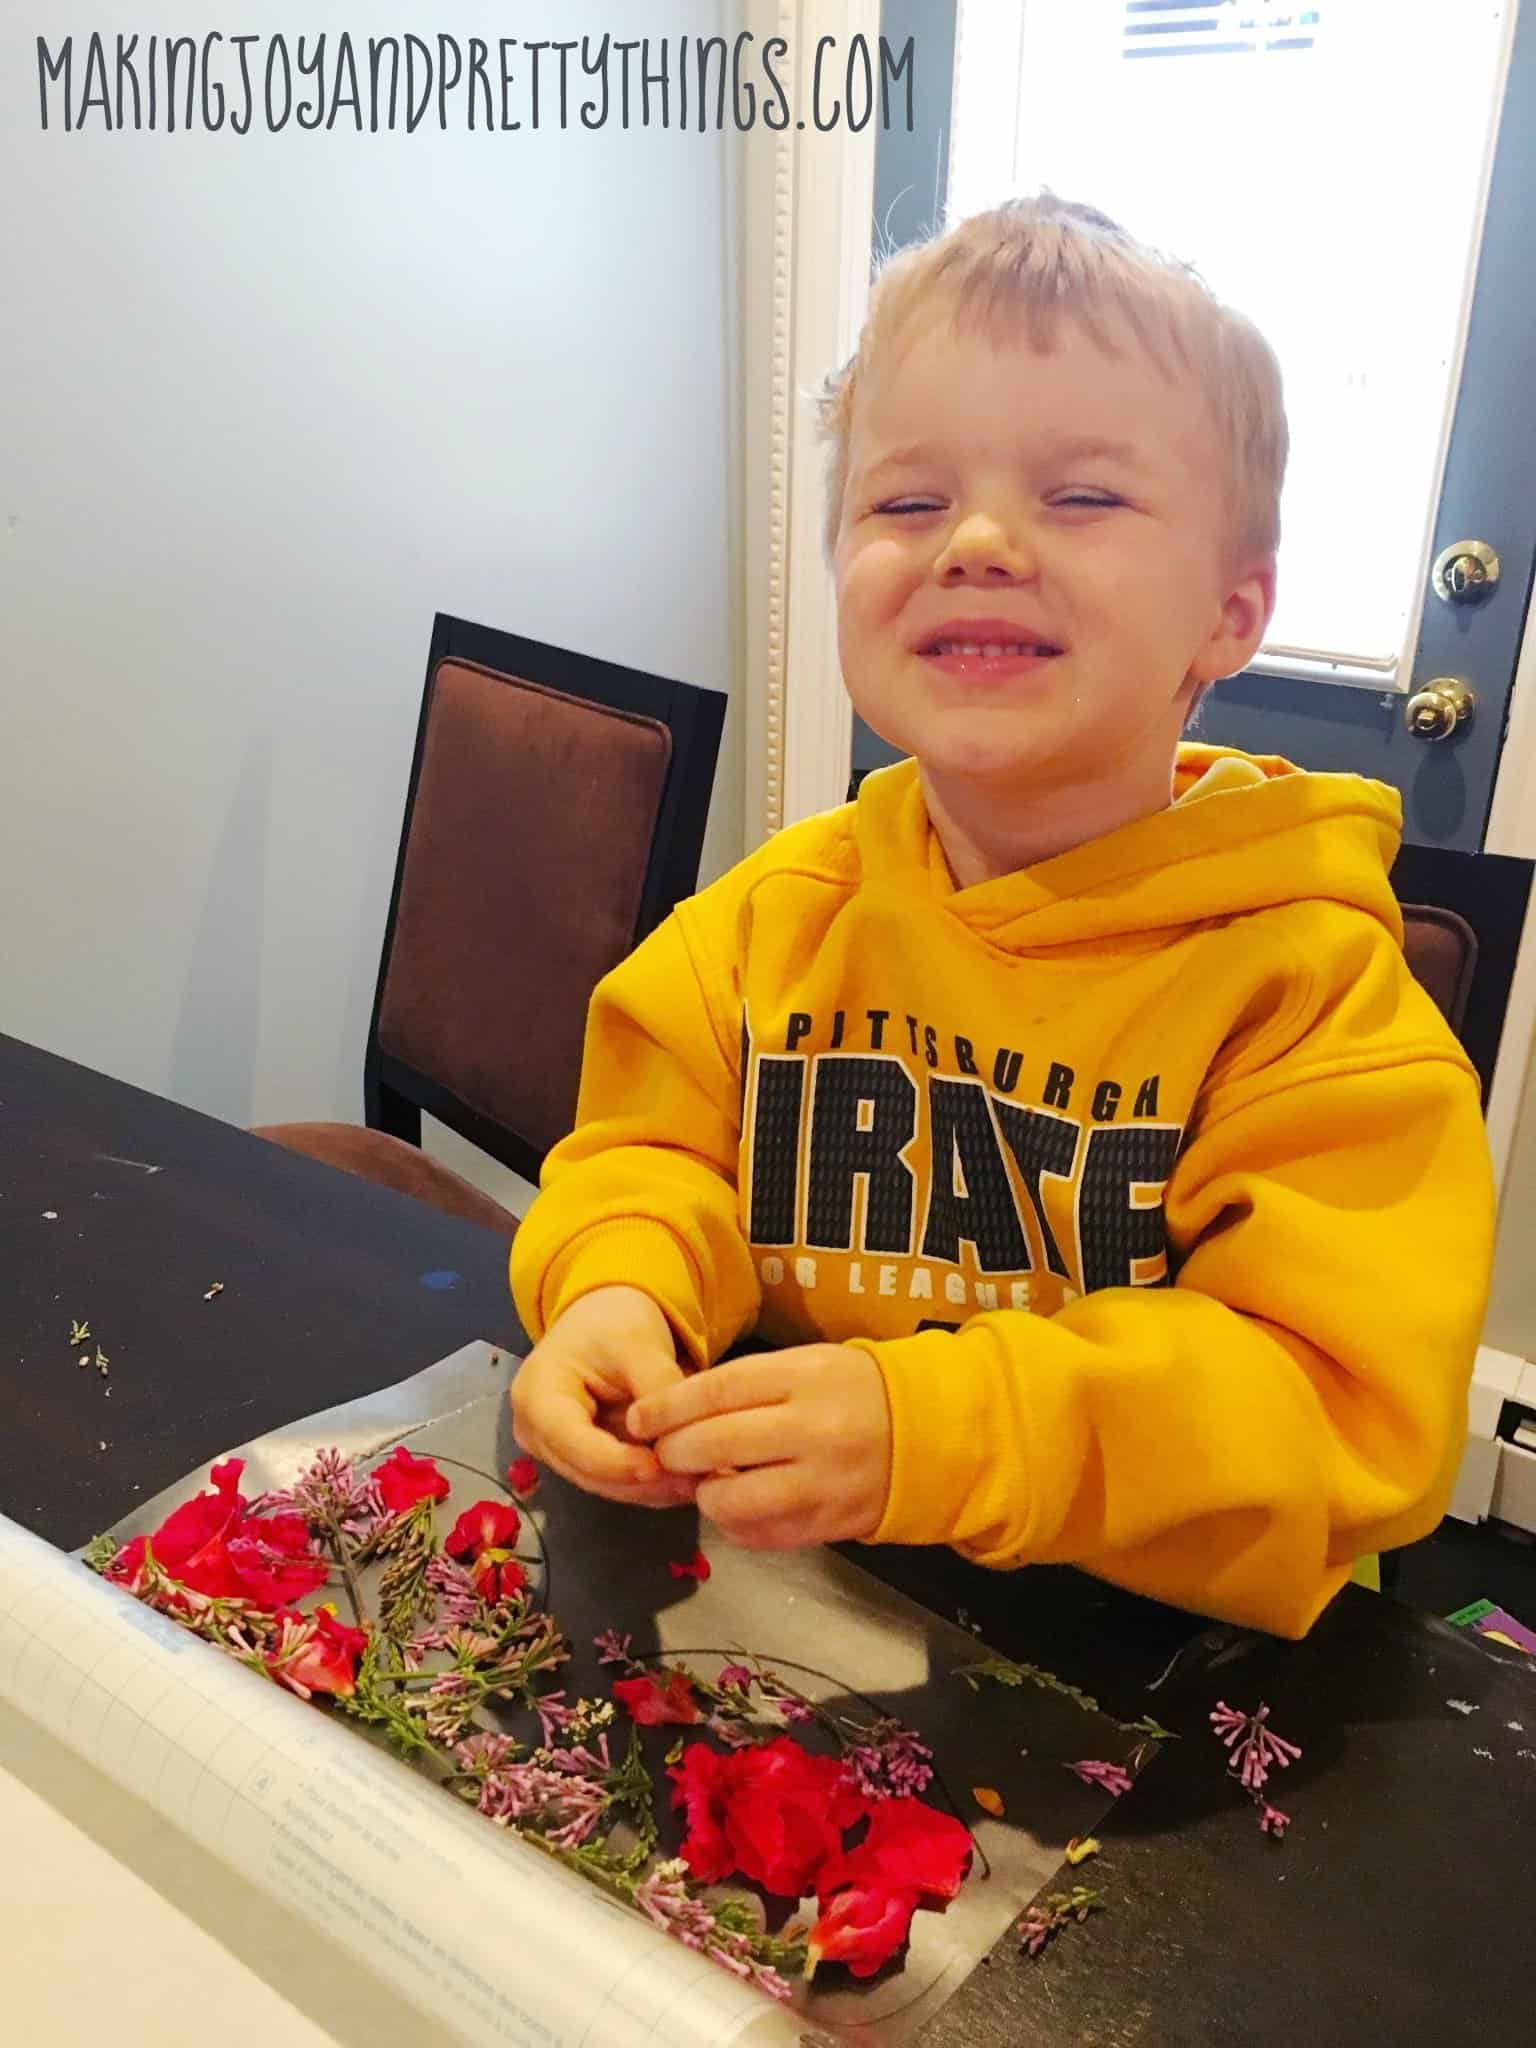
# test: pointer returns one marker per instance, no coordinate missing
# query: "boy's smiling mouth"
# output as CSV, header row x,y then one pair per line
x,y
985,650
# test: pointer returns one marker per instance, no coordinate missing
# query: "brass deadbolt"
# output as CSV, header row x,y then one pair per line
x,y
1440,708
1465,572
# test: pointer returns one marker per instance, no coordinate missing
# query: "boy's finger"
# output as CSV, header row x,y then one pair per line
x,y
744,1383
749,1437
672,1490
572,1442
650,1372
765,1509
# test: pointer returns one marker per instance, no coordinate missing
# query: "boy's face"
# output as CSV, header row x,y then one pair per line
x,y
1067,508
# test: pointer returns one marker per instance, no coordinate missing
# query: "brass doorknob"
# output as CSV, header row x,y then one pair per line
x,y
1440,708
1465,572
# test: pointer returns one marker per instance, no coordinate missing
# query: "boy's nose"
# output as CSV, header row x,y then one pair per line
x,y
980,550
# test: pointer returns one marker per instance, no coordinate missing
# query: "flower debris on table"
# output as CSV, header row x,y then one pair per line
x,y
1048,1916
696,1567
1255,1750
1111,1778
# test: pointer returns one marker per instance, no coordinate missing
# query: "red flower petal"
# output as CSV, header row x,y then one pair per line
x,y
909,1847
488,1525
651,1705
498,1576
862,1927
404,1479
772,1811
703,1779
697,1567
125,1568
523,1477
317,1652
270,1577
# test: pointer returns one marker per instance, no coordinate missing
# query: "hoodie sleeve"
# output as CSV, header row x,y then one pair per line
x,y
642,1193
1232,1442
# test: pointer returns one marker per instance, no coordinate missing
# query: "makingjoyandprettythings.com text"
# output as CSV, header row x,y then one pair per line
x,y
700,83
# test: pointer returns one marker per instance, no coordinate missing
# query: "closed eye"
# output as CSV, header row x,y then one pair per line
x,y
898,506
1098,499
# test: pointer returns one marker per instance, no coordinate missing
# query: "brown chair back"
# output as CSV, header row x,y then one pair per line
x,y
1441,950
556,813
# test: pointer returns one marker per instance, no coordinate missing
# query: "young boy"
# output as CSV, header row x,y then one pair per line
x,y
1064,1108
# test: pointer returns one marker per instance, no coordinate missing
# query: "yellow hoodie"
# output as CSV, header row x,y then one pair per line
x,y
1192,1295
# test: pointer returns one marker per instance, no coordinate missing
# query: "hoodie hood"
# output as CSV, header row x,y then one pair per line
x,y
1245,832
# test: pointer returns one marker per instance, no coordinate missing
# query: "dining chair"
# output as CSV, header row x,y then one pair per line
x,y
555,814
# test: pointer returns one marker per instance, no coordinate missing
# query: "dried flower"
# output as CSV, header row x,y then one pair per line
x,y
773,1812
736,1677
404,1479
1046,1918
892,1762
559,1721
1273,1821
1255,1747
1080,1848
653,1705
663,1896
612,1648
214,1545
1113,1778
316,1653
909,1847
861,1926
523,1478
697,1567
483,1536
565,1807
454,1589
332,1492
989,1800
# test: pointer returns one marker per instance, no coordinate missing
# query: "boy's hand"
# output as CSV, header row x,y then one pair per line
x,y
799,1443
571,1393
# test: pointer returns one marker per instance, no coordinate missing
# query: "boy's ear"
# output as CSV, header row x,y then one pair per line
x,y
1239,632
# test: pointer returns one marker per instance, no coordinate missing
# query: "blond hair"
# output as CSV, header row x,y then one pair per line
x,y
1043,258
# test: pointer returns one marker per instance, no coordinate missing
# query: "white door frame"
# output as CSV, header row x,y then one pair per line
x,y
807,210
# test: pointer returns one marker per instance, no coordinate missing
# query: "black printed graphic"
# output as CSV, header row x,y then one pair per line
x,y
1114,1227
841,1150
985,1213
776,1149
891,1153
1041,1145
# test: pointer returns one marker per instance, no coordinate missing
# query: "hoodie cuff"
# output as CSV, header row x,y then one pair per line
x,y
942,1421
630,1252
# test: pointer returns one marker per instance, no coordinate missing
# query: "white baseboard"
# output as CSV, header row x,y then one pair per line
x,y
1497,1377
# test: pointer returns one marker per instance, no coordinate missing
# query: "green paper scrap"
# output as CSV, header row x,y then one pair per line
x,y
1464,1617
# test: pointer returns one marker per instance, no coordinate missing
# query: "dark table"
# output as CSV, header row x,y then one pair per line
x,y
1397,1909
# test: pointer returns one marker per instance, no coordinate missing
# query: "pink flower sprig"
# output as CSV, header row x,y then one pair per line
x,y
892,1762
1256,1750
1113,1778
1255,1747
612,1648
331,1492
665,1900
458,1597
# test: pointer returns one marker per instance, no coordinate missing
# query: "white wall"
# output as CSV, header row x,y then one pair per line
x,y
266,403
